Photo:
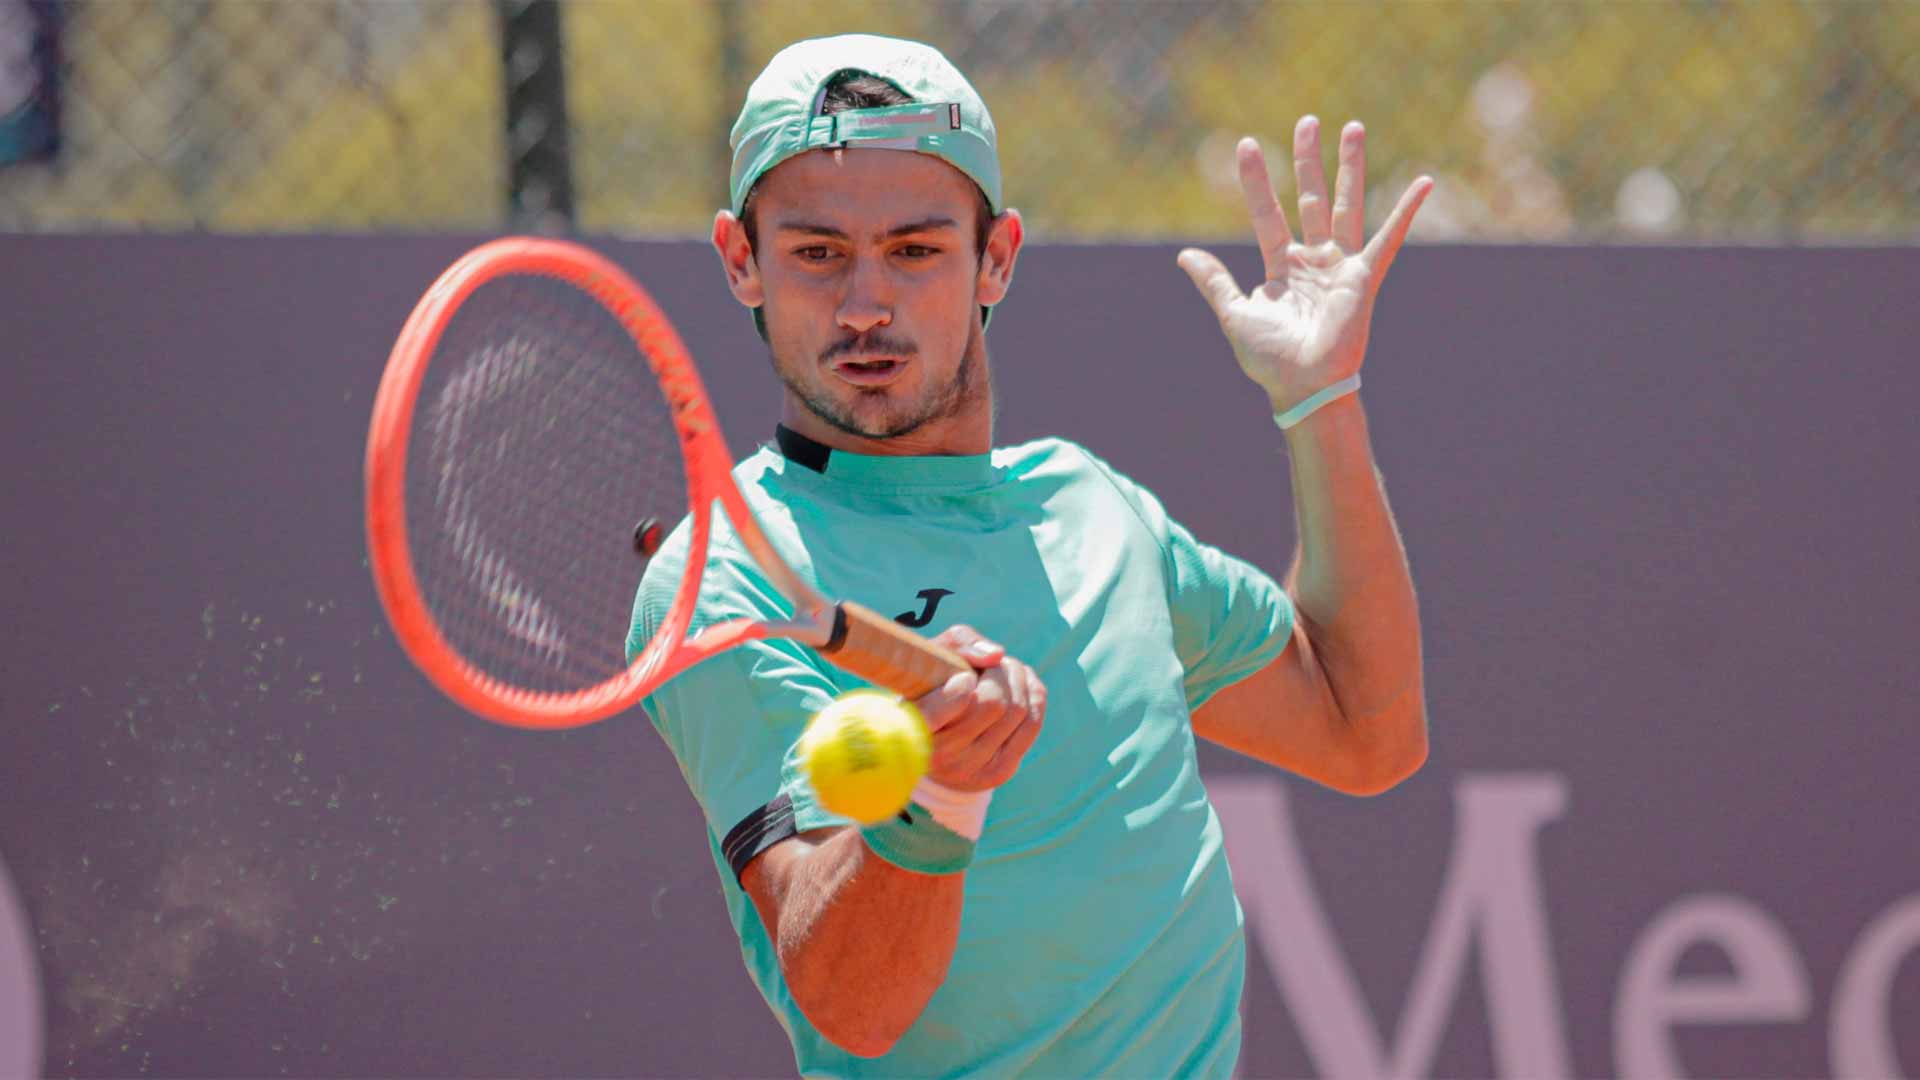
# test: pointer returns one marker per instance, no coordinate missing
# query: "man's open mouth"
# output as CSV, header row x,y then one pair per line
x,y
868,371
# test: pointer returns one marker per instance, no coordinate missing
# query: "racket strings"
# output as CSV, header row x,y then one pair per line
x,y
540,438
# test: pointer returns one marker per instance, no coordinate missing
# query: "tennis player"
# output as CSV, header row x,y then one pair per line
x,y
1056,900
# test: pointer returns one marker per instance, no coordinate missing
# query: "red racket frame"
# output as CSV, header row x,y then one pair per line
x,y
851,636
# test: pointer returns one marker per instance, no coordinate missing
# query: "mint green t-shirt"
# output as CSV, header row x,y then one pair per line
x,y
1100,933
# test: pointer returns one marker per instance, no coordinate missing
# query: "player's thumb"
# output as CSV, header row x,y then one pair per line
x,y
1211,277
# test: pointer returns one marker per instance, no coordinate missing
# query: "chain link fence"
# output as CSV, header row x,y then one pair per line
x,y
1673,120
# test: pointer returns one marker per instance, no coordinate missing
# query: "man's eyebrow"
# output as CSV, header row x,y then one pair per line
x,y
938,221
808,228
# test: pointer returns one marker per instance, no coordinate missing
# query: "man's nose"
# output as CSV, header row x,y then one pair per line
x,y
868,300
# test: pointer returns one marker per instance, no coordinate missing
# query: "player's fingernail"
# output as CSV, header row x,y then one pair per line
x,y
982,647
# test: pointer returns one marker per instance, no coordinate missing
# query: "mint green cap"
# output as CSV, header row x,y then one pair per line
x,y
781,117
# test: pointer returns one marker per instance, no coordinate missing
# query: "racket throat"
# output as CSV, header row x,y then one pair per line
x,y
824,628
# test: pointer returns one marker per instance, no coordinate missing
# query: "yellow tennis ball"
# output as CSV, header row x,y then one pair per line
x,y
864,753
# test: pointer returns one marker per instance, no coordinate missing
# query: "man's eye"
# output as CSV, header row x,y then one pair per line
x,y
815,253
918,251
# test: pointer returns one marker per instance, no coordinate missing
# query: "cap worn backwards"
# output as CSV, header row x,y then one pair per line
x,y
781,117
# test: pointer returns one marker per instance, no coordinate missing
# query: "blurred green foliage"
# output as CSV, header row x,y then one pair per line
x,y
1589,119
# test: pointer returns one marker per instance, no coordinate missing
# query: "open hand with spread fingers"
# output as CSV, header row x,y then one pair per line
x,y
1304,328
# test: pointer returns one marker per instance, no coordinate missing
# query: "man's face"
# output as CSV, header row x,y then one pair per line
x,y
871,288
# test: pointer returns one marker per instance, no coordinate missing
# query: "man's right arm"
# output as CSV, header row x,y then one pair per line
x,y
863,943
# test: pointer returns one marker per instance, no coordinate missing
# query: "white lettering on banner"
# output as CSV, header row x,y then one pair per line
x,y
1768,982
1860,1035
20,1025
1491,895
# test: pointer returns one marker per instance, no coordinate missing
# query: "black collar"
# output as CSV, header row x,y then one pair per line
x,y
801,450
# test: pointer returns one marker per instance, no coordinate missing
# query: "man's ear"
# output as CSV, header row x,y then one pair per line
x,y
1004,237
736,258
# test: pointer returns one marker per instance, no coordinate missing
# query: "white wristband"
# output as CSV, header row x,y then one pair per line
x,y
963,812
1312,405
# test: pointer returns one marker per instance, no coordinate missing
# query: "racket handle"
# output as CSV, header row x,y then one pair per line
x,y
887,654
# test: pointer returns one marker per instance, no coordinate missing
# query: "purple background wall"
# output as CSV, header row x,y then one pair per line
x,y
1662,515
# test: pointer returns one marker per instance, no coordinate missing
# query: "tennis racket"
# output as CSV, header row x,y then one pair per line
x,y
539,427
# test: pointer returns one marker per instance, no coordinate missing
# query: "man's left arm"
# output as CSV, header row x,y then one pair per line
x,y
1344,703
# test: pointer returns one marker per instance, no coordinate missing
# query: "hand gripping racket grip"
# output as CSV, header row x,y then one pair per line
x,y
887,654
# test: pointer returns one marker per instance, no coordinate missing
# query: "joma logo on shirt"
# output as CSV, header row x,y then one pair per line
x,y
924,615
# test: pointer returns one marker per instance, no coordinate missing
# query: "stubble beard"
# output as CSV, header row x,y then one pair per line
x,y
942,402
